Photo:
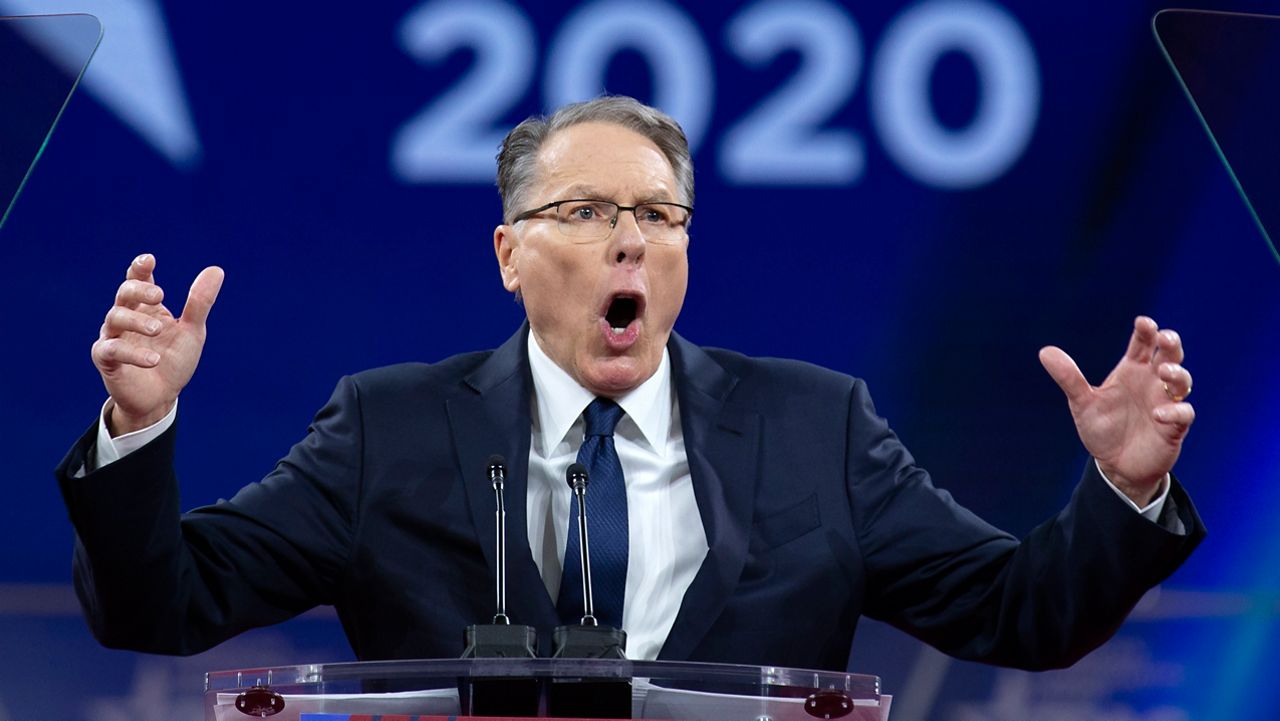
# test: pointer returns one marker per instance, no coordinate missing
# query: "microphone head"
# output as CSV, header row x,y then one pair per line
x,y
577,476
496,468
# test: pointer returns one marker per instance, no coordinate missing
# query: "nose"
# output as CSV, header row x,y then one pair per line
x,y
626,244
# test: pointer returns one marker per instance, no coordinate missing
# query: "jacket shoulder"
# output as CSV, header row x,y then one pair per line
x,y
442,377
784,374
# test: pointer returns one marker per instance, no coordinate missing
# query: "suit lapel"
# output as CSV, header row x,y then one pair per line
x,y
496,419
721,442
722,445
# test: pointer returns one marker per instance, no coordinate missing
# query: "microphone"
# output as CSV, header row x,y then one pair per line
x,y
581,697
500,638
496,469
512,697
589,639
577,478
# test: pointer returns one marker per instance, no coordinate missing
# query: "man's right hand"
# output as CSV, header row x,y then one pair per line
x,y
146,356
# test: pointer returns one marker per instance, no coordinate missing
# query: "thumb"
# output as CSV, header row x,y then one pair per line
x,y
1065,373
203,293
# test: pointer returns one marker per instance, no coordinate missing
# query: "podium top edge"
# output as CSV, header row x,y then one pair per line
x,y
323,678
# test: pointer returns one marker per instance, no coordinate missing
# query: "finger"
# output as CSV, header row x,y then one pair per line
x,y
1169,346
133,293
142,268
122,320
1065,373
1179,415
1177,379
203,293
111,353
1142,344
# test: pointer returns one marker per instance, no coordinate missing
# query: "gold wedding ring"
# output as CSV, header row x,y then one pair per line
x,y
1176,399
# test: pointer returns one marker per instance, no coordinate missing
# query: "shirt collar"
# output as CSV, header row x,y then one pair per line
x,y
559,401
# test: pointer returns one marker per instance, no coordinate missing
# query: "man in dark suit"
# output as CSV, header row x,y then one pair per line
x,y
750,510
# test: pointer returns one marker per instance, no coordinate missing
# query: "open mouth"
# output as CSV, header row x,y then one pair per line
x,y
622,311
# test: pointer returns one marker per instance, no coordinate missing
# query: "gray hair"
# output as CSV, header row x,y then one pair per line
x,y
518,156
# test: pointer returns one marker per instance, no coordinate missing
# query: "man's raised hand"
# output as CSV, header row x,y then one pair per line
x,y
146,356
1135,421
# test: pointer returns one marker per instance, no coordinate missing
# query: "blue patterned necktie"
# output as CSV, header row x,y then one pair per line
x,y
606,521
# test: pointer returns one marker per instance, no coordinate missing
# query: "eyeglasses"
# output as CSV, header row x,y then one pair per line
x,y
585,220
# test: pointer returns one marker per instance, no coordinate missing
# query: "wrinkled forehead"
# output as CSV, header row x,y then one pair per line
x,y
602,160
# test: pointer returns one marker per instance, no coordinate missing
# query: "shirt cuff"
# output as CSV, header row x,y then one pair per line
x,y
109,450
1152,510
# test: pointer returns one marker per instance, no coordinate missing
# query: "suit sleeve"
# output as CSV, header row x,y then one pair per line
x,y
938,572
150,578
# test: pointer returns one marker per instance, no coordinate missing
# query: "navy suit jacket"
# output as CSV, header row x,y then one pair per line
x,y
814,512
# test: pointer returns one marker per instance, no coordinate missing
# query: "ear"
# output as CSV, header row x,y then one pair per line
x,y
504,247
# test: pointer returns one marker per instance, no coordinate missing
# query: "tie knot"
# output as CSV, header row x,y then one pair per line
x,y
602,417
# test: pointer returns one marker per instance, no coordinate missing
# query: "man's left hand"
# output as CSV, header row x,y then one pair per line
x,y
1135,421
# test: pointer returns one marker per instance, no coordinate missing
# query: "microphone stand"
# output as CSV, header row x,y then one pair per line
x,y
578,482
576,697
511,697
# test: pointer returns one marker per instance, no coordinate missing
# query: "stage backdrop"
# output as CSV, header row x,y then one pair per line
x,y
918,193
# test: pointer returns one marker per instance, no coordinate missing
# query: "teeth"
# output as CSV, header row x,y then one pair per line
x,y
618,331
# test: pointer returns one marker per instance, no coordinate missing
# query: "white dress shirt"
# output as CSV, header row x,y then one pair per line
x,y
667,539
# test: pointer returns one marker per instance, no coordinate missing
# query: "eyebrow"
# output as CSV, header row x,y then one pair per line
x,y
582,190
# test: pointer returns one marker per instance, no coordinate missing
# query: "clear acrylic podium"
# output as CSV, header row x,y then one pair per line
x,y
436,690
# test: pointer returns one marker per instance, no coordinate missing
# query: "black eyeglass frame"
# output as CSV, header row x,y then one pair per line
x,y
613,223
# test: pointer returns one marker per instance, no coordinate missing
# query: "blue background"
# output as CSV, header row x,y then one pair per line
x,y
938,294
